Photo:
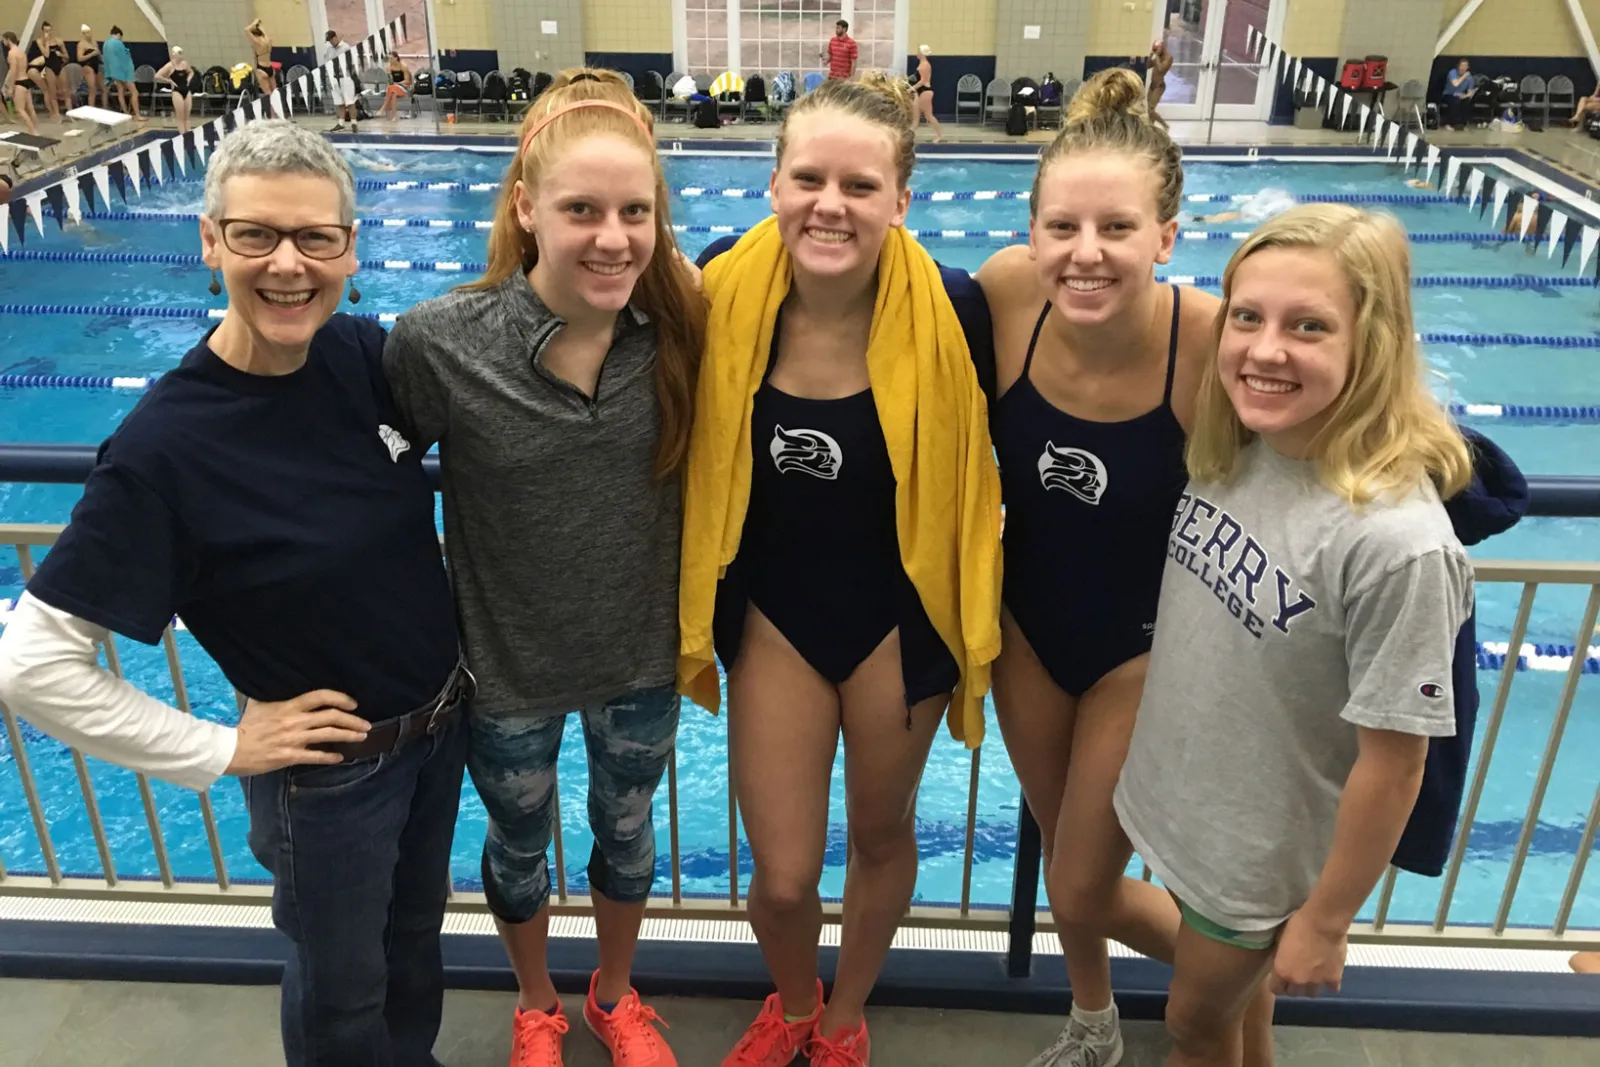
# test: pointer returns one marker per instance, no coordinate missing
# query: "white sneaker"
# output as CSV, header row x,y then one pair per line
x,y
1079,1046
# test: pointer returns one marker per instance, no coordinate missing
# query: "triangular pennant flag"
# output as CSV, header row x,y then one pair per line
x,y
1433,161
239,117
56,196
1272,57
130,170
1590,237
281,95
74,203
1322,92
1451,170
1530,209
383,39
316,79
85,186
1250,40
1392,140
399,26
1366,113
1489,185
177,147
19,219
35,202
1411,149
255,110
1569,240
1500,191
1474,187
1333,99
149,165
102,182
1344,116
1558,225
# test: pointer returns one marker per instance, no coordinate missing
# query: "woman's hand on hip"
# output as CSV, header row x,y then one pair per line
x,y
280,734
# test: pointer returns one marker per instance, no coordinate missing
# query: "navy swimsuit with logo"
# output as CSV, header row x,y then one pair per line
x,y
1088,509
819,555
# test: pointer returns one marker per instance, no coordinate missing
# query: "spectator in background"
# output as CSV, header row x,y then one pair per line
x,y
89,60
399,86
923,87
841,51
47,57
1159,63
344,87
119,71
1586,104
1459,86
19,87
266,77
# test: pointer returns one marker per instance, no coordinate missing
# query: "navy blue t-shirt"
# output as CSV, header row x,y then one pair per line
x,y
281,517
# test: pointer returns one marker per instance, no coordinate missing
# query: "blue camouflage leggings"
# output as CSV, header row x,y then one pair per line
x,y
512,760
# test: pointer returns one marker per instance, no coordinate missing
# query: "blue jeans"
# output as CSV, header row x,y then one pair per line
x,y
360,860
513,764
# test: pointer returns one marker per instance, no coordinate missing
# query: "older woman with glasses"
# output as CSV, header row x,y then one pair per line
x,y
260,491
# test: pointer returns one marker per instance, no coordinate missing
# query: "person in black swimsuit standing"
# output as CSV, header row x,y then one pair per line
x,y
261,45
1097,370
185,81
47,58
89,60
924,89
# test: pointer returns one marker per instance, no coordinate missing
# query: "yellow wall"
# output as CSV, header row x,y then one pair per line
x,y
464,23
1315,27
953,27
67,15
1116,31
1518,28
287,21
627,25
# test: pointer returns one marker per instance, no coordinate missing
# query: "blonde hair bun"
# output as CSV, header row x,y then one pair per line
x,y
895,89
1117,91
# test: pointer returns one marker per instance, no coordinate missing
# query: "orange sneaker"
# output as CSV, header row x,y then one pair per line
x,y
846,1048
771,1041
628,1031
536,1037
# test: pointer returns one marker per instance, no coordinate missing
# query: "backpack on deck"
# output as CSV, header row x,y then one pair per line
x,y
705,114
1017,119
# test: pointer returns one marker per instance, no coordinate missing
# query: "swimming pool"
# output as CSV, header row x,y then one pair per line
x,y
135,347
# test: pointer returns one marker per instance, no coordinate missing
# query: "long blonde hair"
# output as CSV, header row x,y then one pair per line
x,y
1386,432
1112,113
666,291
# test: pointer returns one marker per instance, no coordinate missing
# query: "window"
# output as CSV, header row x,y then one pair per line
x,y
768,36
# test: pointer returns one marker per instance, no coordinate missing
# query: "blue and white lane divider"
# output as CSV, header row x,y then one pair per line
x,y
119,311
376,185
1491,654
389,222
1211,281
1544,412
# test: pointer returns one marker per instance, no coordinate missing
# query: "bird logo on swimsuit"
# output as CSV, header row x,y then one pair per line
x,y
807,451
393,442
1078,472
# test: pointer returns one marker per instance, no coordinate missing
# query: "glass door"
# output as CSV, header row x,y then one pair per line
x,y
1213,74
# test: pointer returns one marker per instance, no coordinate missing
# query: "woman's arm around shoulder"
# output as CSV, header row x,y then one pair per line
x,y
1197,346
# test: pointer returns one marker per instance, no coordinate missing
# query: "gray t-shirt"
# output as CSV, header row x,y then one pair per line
x,y
1287,619
562,547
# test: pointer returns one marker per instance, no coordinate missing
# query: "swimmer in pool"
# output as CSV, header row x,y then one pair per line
x,y
1258,209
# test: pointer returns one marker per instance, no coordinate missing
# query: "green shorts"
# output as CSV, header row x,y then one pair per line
x,y
1251,940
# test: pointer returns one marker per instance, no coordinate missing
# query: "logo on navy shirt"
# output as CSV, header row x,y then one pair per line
x,y
807,451
393,442
1431,690
1078,472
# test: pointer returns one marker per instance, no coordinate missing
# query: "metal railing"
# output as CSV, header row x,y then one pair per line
x,y
1020,919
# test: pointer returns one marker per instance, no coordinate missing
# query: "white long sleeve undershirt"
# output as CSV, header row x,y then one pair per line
x,y
50,675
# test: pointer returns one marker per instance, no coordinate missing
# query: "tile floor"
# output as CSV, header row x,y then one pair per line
x,y
95,1024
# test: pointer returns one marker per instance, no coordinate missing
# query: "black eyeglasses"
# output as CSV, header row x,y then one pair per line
x,y
245,237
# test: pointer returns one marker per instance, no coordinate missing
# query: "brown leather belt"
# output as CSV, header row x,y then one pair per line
x,y
391,735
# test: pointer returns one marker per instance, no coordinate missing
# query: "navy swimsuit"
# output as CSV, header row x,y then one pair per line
x,y
1088,509
820,553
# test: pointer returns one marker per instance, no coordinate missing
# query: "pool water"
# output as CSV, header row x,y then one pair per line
x,y
89,345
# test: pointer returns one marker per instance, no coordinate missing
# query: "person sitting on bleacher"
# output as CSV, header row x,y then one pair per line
x,y
1459,85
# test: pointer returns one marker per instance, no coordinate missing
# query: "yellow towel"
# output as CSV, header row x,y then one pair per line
x,y
947,490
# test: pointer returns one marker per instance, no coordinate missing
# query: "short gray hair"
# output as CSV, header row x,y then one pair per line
x,y
278,146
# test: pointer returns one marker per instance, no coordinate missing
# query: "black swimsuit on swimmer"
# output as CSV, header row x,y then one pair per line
x,y
820,553
183,82
1088,509
924,89
92,63
398,77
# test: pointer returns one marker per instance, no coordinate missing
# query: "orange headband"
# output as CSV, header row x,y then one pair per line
x,y
558,112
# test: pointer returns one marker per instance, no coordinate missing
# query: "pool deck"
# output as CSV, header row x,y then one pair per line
x,y
1572,152
93,1024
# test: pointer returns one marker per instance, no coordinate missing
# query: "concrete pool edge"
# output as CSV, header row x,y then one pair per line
x,y
1546,1005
